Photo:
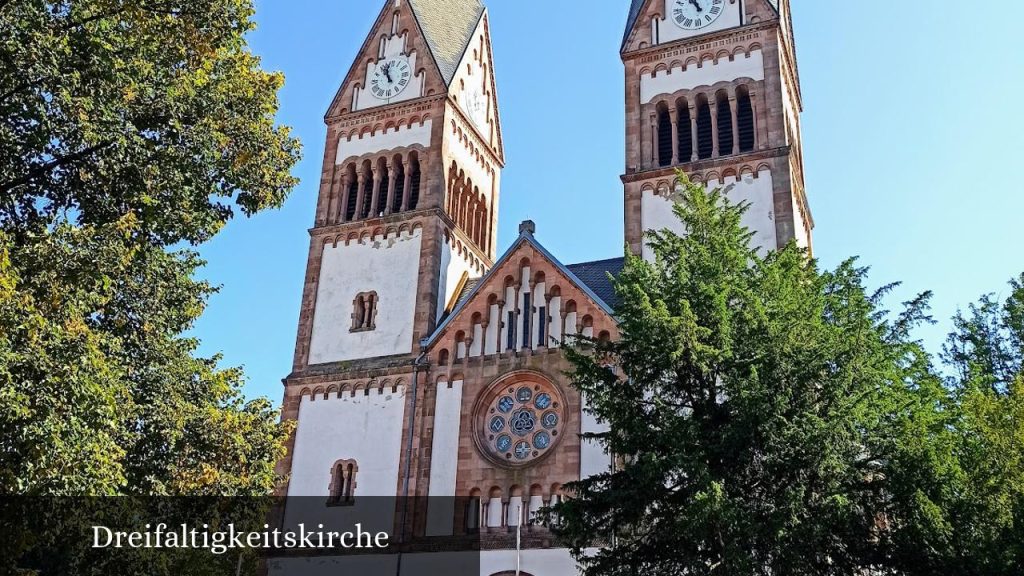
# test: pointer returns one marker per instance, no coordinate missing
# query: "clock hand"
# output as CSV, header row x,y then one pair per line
x,y
697,5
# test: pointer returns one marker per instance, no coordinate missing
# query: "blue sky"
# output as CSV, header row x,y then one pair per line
x,y
913,134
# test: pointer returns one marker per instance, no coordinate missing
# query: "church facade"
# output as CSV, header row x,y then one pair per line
x,y
427,364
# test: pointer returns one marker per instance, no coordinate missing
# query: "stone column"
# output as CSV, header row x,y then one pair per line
x,y
375,192
516,310
735,123
406,191
360,192
655,154
484,323
392,184
673,114
332,199
346,184
760,139
693,131
547,322
713,106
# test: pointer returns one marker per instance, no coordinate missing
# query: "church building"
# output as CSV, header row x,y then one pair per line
x,y
429,364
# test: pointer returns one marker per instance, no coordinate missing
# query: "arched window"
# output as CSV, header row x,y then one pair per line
x,y
364,312
343,483
685,131
745,119
414,187
664,135
473,509
725,136
382,188
705,138
364,210
353,192
396,202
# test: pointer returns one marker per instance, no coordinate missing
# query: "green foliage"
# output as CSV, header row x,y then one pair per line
x,y
154,108
127,128
775,420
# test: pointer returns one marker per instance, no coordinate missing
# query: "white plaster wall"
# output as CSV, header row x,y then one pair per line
x,y
493,337
452,268
444,458
555,337
668,31
388,266
803,236
364,428
656,210
474,100
792,116
397,137
593,457
363,98
670,81
468,163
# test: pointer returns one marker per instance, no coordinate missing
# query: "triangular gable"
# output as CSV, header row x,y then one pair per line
x,y
638,8
434,32
508,265
479,56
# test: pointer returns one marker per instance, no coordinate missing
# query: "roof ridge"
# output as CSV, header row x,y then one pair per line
x,y
597,261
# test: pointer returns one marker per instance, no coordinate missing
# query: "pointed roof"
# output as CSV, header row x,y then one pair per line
x,y
634,13
448,27
594,281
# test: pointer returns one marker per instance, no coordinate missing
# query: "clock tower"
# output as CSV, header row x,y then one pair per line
x,y
406,214
713,89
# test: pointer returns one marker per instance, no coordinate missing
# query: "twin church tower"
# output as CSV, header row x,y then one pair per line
x,y
427,364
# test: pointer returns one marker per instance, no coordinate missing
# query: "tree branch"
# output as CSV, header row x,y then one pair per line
x,y
22,86
56,163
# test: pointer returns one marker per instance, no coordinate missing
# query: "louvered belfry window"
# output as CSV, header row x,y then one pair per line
x,y
414,192
685,131
725,136
745,120
664,136
705,142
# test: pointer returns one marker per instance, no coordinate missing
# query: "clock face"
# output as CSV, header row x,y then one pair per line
x,y
696,14
476,105
391,78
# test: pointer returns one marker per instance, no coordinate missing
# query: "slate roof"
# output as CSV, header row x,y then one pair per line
x,y
595,276
634,13
448,27
467,289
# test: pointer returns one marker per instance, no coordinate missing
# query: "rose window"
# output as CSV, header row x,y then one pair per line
x,y
522,419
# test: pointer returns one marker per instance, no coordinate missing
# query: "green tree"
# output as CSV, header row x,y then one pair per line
x,y
977,521
765,402
127,130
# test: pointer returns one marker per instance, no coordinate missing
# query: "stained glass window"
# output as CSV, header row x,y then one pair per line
x,y
521,421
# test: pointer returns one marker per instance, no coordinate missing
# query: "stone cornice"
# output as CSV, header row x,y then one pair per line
x,y
730,33
704,165
391,110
